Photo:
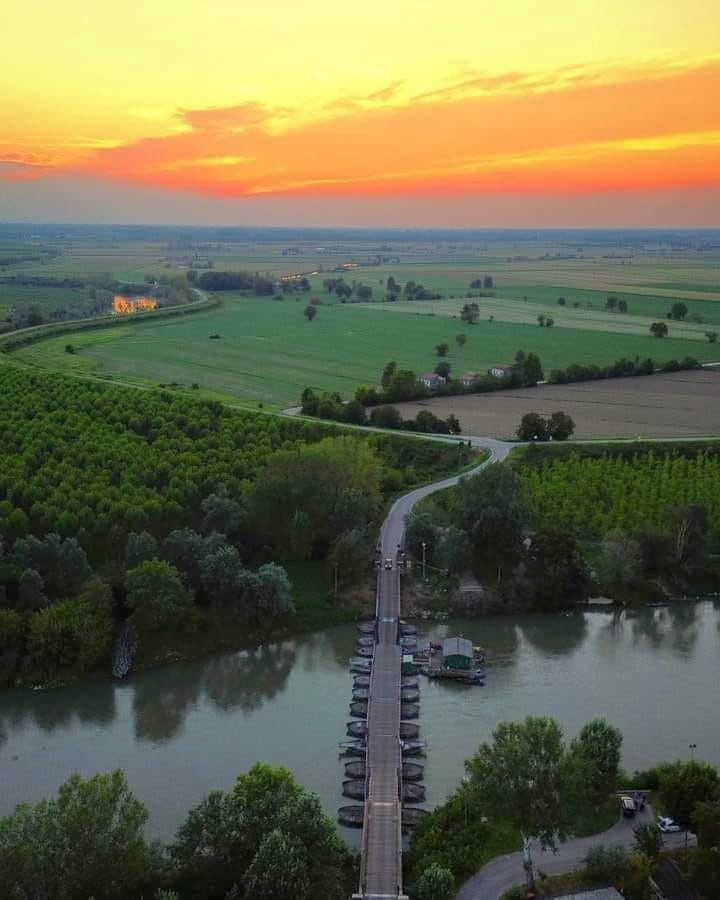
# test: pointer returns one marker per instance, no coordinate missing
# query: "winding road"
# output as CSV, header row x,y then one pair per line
x,y
505,872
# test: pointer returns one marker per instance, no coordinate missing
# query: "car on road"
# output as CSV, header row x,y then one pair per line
x,y
628,807
388,563
666,824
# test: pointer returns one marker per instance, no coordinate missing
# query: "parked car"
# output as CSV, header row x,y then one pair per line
x,y
388,563
667,825
627,805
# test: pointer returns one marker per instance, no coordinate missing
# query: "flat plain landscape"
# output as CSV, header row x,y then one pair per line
x,y
678,404
266,352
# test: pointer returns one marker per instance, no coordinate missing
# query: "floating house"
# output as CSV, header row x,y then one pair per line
x,y
458,653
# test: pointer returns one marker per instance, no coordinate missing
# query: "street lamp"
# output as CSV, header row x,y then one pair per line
x,y
423,544
693,748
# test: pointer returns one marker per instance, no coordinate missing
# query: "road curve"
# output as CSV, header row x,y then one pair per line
x,y
393,527
505,872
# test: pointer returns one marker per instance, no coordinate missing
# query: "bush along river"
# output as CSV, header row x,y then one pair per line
x,y
185,729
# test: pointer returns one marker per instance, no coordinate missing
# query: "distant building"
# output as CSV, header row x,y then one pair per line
x,y
457,653
469,379
500,370
432,381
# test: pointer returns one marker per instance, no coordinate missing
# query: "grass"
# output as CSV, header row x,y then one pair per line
x,y
268,352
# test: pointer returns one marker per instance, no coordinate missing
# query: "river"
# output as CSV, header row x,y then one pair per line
x,y
186,729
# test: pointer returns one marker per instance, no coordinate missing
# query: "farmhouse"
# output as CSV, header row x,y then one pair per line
x,y
432,381
468,379
500,370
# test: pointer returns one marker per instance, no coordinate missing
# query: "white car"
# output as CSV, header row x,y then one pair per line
x,y
388,563
667,825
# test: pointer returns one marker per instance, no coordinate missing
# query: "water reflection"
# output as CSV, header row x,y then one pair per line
x,y
673,628
160,704
245,680
556,635
91,704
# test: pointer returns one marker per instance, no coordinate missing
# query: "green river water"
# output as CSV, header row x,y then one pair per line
x,y
184,730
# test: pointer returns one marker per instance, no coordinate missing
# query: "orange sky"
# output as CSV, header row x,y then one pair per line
x,y
578,100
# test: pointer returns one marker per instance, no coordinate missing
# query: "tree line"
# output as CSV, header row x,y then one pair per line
x,y
527,784
266,839
621,368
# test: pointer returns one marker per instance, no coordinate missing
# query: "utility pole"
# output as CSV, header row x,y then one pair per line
x,y
424,546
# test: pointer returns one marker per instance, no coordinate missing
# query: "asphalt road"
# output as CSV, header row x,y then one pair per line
x,y
505,872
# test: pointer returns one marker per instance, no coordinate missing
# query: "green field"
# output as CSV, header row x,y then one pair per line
x,y
268,352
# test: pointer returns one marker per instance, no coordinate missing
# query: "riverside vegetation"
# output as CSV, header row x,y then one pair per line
x,y
171,514
494,810
554,525
267,838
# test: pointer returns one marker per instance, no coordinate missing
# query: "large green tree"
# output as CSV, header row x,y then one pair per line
x,y
521,777
88,841
156,595
685,784
599,745
229,841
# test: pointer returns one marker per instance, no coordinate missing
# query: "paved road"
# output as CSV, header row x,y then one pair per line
x,y
505,872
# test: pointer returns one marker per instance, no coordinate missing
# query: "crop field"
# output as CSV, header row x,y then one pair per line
x,y
672,405
267,352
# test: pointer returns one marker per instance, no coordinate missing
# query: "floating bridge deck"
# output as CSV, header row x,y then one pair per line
x,y
381,863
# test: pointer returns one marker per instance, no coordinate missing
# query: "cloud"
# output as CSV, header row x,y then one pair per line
x,y
572,130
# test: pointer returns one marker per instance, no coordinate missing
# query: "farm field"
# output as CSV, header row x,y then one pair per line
x,y
672,405
267,352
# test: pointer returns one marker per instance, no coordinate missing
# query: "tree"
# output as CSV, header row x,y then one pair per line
x,y
529,368
272,590
225,841
487,281
310,312
658,329
386,417
706,822
556,570
678,311
648,840
63,564
88,841
221,512
621,558
441,349
140,547
435,883
712,336
278,871
470,313
520,778
622,306
541,319
611,303
442,369
533,427
460,339
31,591
560,427
561,301
688,525
403,386
388,374
12,643
156,595
683,785
599,745
220,574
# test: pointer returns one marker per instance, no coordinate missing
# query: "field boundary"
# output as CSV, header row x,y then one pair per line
x,y
14,340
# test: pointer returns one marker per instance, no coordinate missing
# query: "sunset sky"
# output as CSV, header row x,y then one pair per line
x,y
387,112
